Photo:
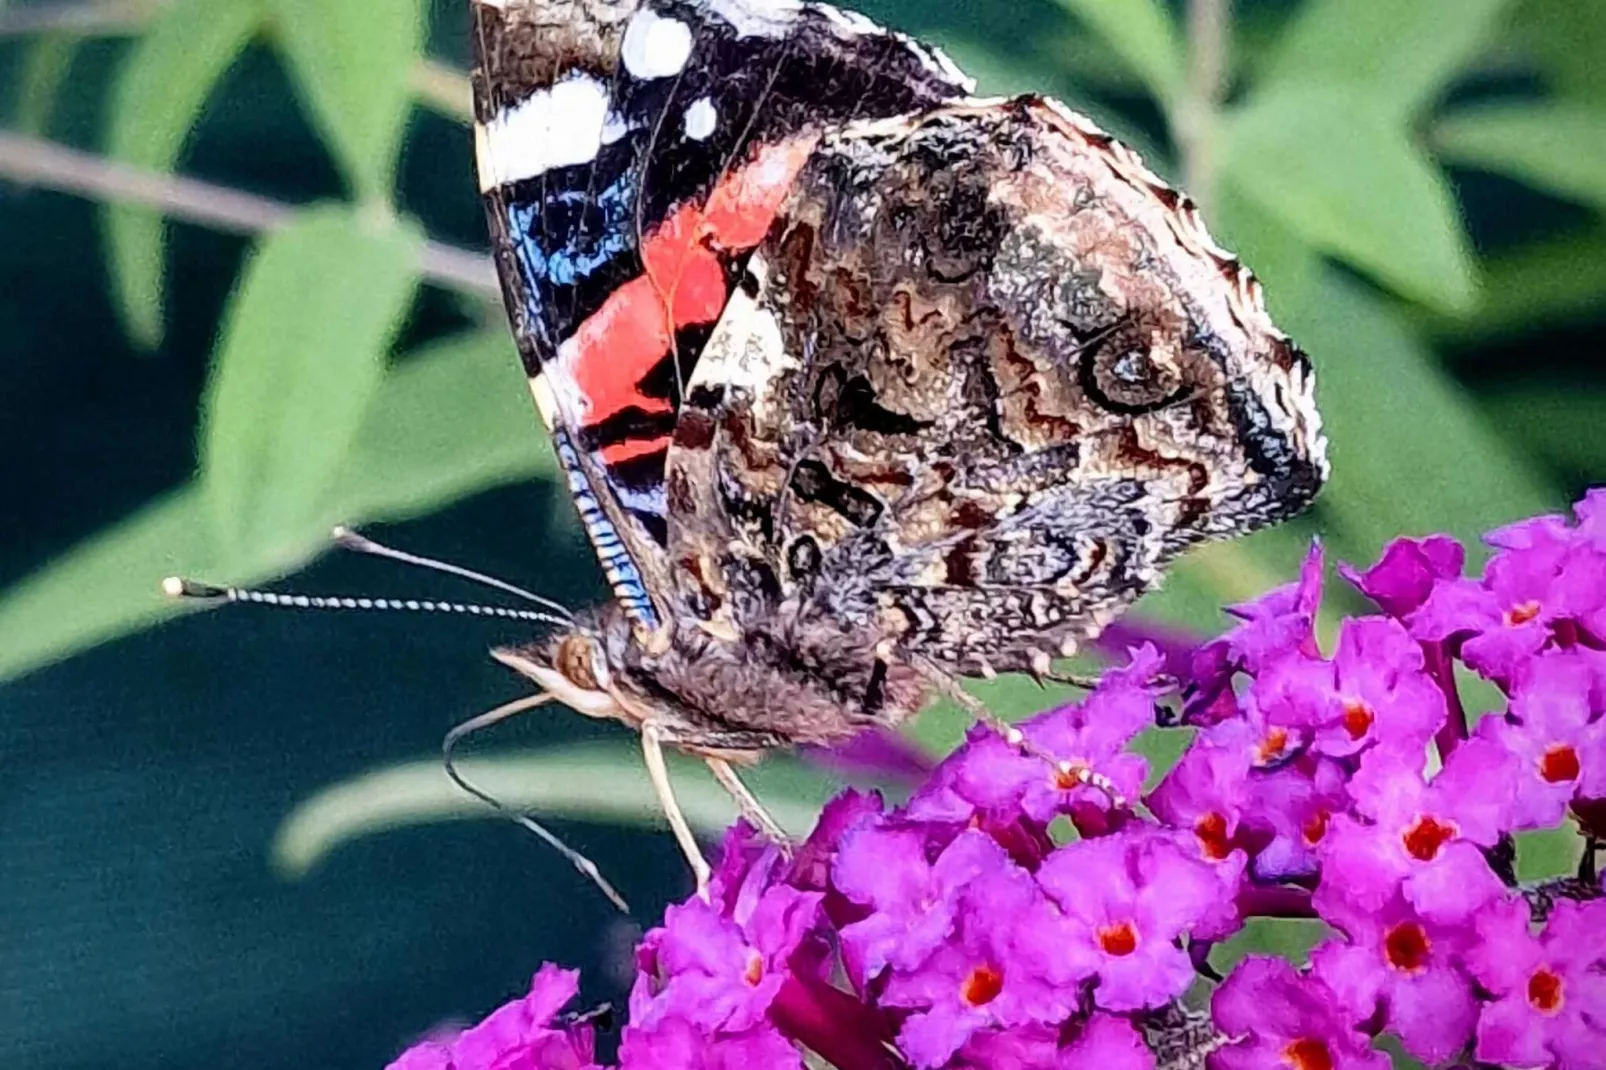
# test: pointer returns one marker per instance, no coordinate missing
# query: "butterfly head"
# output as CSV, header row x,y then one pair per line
x,y
583,667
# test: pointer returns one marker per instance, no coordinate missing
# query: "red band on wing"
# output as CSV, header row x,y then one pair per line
x,y
682,284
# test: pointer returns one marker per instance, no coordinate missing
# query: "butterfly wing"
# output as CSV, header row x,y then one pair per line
x,y
631,156
986,376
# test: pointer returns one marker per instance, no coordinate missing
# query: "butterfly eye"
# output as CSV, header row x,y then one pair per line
x,y
578,660
1123,375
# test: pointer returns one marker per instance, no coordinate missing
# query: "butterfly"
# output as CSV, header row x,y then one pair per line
x,y
860,383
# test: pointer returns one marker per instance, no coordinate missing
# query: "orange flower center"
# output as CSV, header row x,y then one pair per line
x,y
1211,831
1406,947
1273,745
1315,828
1423,839
1308,1053
1559,764
982,986
1119,939
1544,991
1358,718
1521,613
1067,776
755,968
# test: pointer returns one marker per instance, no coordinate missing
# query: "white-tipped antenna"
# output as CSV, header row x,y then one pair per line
x,y
194,590
587,868
347,539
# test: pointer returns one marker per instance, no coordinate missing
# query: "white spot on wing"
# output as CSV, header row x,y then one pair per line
x,y
556,127
654,46
701,118
757,18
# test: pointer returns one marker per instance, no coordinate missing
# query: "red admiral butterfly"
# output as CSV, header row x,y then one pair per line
x,y
859,382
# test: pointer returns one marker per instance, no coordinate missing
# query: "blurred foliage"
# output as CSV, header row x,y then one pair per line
x,y
1362,155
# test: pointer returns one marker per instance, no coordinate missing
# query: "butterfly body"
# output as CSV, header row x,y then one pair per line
x,y
855,378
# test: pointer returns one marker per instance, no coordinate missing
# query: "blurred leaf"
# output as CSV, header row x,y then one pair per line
x,y
1143,34
1555,146
166,79
1543,284
453,419
302,351
1560,424
1409,452
1338,170
604,782
45,70
108,585
353,64
1569,39
1289,938
1401,52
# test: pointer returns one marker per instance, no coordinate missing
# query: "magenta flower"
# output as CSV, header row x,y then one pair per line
x,y
1403,965
1404,576
1010,963
1544,587
990,776
717,970
517,1036
1296,804
1278,623
1550,991
1419,838
1109,1043
1374,692
1209,789
674,1043
914,904
957,933
1127,899
1557,730
1284,1019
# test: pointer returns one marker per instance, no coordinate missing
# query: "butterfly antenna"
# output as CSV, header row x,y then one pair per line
x,y
347,539
587,868
196,591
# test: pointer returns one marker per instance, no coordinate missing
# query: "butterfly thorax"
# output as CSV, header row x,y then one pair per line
x,y
793,677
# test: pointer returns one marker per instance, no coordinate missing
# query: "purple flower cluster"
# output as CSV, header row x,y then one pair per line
x,y
1019,913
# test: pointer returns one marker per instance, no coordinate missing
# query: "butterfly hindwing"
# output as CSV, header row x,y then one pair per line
x,y
1031,380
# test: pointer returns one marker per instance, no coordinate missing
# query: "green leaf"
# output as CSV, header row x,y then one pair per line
x,y
1144,35
1538,286
1556,146
603,782
302,352
453,419
1403,52
1569,38
108,585
1409,451
1560,424
44,72
1339,171
161,88
353,64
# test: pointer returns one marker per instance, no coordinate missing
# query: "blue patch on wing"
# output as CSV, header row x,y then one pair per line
x,y
574,245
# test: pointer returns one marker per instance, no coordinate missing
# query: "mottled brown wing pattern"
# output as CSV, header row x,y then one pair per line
x,y
986,378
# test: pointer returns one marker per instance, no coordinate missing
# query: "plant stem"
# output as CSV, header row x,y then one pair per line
x,y
1197,116
35,162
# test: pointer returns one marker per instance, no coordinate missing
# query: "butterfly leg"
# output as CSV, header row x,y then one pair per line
x,y
652,750
949,686
748,804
